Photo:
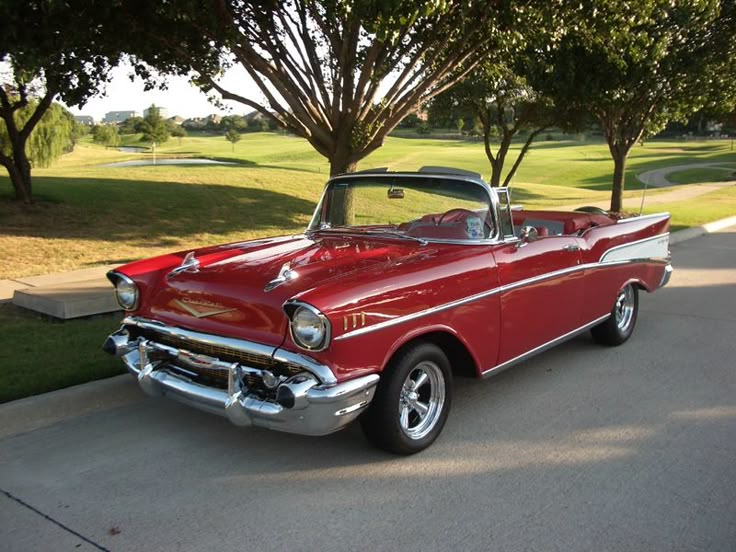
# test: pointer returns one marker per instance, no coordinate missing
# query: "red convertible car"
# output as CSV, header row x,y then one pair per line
x,y
401,282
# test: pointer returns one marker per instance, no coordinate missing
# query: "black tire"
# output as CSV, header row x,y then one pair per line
x,y
592,209
394,421
620,325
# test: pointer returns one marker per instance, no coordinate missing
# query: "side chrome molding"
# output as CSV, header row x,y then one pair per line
x,y
545,346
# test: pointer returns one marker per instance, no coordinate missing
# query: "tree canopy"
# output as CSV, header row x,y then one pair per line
x,y
52,50
154,127
634,66
505,105
53,135
340,74
233,136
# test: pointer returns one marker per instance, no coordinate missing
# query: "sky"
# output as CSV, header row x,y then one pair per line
x,y
181,98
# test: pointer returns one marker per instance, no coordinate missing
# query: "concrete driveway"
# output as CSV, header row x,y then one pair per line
x,y
583,448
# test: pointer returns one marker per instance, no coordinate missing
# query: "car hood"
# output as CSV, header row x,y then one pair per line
x,y
236,289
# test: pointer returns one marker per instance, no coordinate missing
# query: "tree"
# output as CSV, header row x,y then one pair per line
x,y
234,122
340,74
634,66
232,136
179,132
53,135
52,50
154,128
107,135
131,125
504,105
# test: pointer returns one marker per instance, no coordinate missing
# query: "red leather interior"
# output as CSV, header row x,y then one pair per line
x,y
572,222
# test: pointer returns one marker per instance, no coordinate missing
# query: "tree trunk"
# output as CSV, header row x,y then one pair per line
x,y
21,184
619,173
522,154
497,165
341,163
19,170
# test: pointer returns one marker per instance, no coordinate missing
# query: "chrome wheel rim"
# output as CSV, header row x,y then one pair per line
x,y
624,309
421,399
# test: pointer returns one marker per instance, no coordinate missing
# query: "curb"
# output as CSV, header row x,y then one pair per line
x,y
697,231
39,411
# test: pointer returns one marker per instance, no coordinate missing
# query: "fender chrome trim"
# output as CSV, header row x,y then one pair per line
x,y
496,291
541,348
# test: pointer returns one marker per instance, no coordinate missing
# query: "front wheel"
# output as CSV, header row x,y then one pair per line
x,y
620,325
412,401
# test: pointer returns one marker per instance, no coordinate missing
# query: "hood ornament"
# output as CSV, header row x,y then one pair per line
x,y
285,275
190,262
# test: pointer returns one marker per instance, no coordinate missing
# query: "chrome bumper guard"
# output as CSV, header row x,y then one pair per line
x,y
304,405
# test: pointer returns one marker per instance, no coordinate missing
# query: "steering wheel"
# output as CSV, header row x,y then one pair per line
x,y
454,211
466,212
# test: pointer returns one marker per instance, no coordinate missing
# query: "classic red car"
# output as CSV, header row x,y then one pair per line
x,y
401,282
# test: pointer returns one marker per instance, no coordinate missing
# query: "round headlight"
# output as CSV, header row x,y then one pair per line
x,y
126,292
308,328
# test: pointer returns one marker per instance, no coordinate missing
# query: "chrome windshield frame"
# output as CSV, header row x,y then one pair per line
x,y
493,238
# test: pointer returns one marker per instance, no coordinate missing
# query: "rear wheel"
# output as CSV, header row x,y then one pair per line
x,y
412,401
620,325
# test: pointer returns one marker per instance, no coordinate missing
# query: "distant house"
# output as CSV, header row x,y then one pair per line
x,y
194,123
214,118
84,120
118,116
177,120
162,111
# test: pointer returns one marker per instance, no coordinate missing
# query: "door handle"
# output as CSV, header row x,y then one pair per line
x,y
571,247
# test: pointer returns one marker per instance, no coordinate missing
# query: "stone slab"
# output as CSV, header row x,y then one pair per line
x,y
8,287
70,300
67,277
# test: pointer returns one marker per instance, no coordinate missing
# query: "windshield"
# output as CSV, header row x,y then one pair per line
x,y
425,208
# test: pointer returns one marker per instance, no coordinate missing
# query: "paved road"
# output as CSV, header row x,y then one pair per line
x,y
584,448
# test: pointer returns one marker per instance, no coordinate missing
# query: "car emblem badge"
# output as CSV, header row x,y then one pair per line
x,y
196,313
285,275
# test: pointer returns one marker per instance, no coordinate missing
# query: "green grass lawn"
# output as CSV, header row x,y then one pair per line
x,y
696,176
712,206
39,355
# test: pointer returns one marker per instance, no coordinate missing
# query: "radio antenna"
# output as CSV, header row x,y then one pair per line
x,y
644,194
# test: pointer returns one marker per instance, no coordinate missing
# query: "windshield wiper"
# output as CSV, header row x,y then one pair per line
x,y
398,235
360,231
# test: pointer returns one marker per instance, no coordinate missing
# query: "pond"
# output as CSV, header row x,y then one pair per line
x,y
183,161
132,149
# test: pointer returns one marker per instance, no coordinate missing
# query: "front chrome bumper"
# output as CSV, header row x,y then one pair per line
x,y
304,404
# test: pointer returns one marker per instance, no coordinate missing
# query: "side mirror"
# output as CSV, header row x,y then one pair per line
x,y
527,234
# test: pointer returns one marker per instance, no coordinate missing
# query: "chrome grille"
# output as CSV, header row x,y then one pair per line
x,y
216,351
218,377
